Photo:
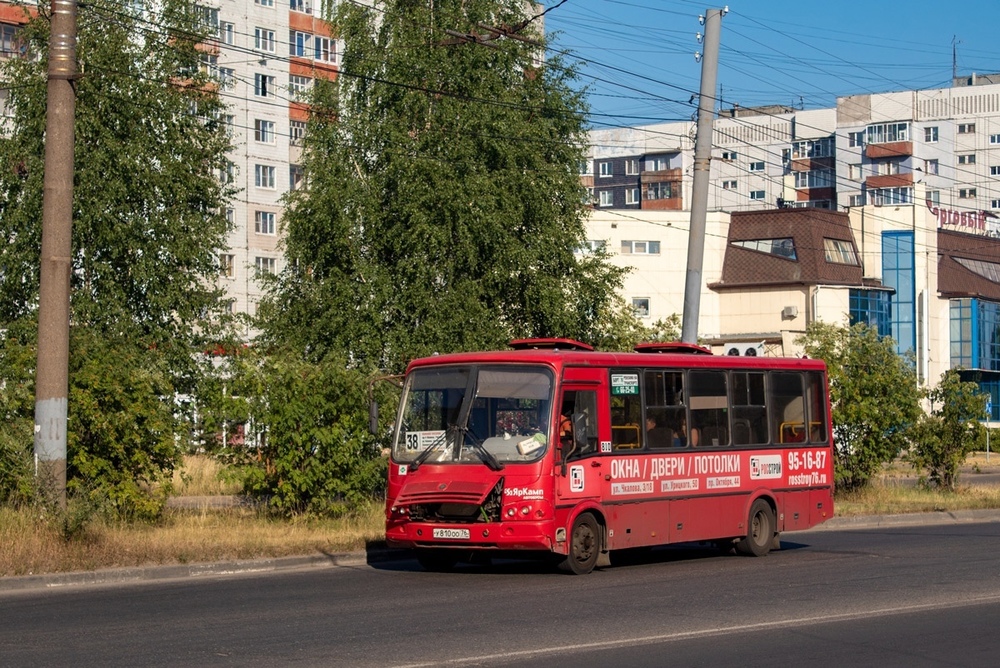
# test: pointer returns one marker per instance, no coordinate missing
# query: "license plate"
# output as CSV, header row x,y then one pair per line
x,y
457,534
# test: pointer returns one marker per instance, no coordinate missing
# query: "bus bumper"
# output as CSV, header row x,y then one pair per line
x,y
481,536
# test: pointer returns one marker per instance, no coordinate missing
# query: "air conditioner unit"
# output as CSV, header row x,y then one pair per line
x,y
789,312
743,349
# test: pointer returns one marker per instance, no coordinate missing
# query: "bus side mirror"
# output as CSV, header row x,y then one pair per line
x,y
373,417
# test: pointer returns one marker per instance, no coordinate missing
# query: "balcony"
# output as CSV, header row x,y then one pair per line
x,y
889,181
896,149
811,164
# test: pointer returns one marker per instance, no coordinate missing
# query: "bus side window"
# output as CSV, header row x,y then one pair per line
x,y
626,414
816,391
749,408
709,403
578,407
788,417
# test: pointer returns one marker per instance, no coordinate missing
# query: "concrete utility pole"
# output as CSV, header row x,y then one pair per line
x,y
52,371
702,164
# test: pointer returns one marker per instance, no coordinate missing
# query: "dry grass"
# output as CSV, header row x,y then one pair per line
x,y
201,475
34,545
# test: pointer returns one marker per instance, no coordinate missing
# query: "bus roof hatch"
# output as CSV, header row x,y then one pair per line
x,y
672,347
549,344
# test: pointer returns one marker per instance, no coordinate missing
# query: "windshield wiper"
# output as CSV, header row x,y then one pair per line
x,y
488,457
422,457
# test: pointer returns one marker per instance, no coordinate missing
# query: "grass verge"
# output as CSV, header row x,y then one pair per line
x,y
34,545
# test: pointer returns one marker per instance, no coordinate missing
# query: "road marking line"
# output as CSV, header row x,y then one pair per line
x,y
689,635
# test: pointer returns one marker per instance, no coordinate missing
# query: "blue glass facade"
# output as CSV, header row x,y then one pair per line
x,y
898,271
872,307
975,344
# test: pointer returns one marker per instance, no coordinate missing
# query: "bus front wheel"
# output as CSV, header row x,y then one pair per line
x,y
584,546
760,530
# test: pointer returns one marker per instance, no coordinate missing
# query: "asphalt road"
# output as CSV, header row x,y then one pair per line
x,y
895,596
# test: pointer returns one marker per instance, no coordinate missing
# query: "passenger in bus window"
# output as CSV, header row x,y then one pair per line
x,y
683,438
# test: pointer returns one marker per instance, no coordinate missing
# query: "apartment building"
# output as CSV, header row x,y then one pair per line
x,y
269,53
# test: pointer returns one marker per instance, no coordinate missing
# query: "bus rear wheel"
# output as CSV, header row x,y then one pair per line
x,y
760,530
584,546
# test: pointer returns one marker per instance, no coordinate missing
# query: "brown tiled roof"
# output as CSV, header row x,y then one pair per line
x,y
954,280
743,267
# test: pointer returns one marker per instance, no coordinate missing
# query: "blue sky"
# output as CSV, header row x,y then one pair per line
x,y
640,65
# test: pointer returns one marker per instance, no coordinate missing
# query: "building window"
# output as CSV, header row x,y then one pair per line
x,y
227,33
607,198
295,177
640,248
265,265
640,306
856,200
227,77
605,169
783,247
995,139
658,164
839,251
298,85
934,196
325,49
856,138
931,166
264,3
974,345
226,263
898,273
631,195
227,173
995,203
729,156
888,196
264,176
296,131
757,194
931,135
304,6
854,172
994,170
870,307
298,43
814,148
263,39
263,131
231,216
631,167
966,128
263,222
817,178
663,190
263,85
967,159
967,193
592,246
884,133
729,185
757,166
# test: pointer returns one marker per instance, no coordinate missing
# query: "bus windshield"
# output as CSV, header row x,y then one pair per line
x,y
488,414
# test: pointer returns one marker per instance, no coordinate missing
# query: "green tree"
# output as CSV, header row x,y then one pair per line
x,y
148,225
874,396
443,205
303,442
148,211
944,438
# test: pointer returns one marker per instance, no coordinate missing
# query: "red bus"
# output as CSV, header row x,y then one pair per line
x,y
555,448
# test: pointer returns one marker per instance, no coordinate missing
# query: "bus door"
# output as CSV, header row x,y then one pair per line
x,y
581,430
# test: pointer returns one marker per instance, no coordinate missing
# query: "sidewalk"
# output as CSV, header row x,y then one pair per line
x,y
141,574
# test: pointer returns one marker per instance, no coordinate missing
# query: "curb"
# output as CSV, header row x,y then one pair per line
x,y
141,574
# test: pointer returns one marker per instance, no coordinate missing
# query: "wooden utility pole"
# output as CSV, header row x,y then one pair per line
x,y
52,371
